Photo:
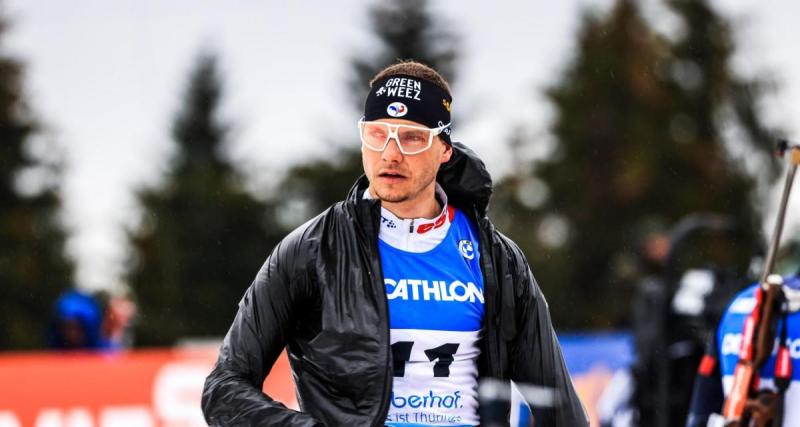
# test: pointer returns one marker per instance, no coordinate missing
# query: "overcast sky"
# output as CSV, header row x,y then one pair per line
x,y
105,77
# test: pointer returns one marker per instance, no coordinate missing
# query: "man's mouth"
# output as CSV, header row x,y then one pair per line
x,y
391,175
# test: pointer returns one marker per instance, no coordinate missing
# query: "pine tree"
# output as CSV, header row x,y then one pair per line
x,y
33,266
638,142
203,235
404,31
712,92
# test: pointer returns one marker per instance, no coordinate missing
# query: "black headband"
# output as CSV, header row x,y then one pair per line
x,y
405,97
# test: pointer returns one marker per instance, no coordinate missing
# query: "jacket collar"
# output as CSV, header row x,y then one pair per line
x,y
464,179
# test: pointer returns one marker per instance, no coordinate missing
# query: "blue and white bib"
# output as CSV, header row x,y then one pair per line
x,y
729,338
436,311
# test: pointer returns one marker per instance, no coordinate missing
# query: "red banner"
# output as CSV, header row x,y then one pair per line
x,y
152,388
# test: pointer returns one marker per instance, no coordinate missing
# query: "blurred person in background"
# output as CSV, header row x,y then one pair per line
x,y
76,322
119,316
81,321
680,299
394,303
715,373
620,404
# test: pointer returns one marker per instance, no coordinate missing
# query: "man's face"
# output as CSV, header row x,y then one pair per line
x,y
398,178
73,333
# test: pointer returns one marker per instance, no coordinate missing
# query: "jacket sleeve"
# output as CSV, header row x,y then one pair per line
x,y
536,358
232,395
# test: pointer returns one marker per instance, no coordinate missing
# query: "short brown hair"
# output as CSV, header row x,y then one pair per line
x,y
413,69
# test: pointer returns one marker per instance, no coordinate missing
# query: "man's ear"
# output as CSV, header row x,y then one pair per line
x,y
448,152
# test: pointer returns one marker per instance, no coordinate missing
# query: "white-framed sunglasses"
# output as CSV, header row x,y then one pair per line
x,y
410,139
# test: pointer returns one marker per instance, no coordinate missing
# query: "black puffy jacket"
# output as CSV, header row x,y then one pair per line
x,y
321,295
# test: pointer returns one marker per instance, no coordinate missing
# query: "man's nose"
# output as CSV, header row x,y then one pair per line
x,y
392,151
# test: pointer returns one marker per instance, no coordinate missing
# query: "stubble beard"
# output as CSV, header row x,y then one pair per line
x,y
387,195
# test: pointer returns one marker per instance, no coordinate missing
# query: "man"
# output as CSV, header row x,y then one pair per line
x,y
393,303
715,374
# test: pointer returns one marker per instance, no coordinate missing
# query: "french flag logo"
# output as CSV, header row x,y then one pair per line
x,y
397,109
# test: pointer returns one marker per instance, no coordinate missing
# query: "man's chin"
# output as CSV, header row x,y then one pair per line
x,y
391,197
